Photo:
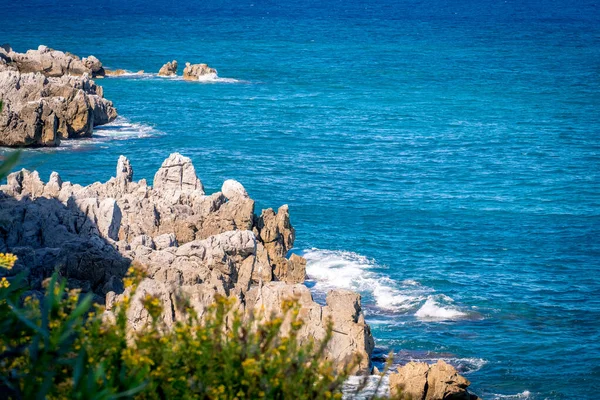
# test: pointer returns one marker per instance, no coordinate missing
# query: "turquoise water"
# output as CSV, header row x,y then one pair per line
x,y
441,158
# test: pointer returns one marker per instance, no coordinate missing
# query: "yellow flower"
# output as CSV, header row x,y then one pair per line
x,y
7,260
4,283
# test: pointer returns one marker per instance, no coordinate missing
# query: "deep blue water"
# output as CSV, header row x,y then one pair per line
x,y
441,157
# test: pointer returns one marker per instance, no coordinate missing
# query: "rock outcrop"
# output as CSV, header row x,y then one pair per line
x,y
194,72
192,244
41,106
440,381
169,69
51,63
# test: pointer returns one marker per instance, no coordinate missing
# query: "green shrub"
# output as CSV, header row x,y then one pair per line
x,y
61,346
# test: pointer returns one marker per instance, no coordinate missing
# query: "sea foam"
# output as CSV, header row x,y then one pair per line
x,y
327,269
207,78
439,307
348,270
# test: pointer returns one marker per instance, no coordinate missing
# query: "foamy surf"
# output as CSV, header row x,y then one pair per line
x,y
327,269
347,270
464,365
120,129
123,129
207,78
439,308
523,395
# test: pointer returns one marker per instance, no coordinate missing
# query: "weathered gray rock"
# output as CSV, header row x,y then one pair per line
x,y
94,65
192,244
41,108
53,63
194,72
232,189
169,69
177,174
438,381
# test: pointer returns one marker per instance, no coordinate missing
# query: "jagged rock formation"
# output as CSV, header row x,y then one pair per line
x,y
439,381
169,69
51,63
194,72
45,102
191,243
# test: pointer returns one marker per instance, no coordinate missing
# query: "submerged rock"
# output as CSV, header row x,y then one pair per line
x,y
194,72
169,69
192,244
440,381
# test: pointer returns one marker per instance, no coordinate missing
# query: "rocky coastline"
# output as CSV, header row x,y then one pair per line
x,y
192,244
50,95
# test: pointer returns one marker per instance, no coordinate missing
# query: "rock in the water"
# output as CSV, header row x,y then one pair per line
x,y
439,381
195,72
114,72
169,69
48,96
94,65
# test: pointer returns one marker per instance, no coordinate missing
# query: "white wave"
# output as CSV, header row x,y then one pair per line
x,y
523,395
120,129
207,78
370,389
347,270
439,308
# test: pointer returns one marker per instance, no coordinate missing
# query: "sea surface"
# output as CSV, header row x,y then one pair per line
x,y
440,157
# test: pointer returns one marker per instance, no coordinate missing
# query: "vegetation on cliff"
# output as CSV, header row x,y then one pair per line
x,y
61,345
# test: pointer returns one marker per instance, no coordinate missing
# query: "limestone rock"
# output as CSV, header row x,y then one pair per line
x,y
124,169
194,72
53,63
193,245
177,173
351,336
41,110
438,381
114,72
292,270
165,241
232,189
94,65
169,69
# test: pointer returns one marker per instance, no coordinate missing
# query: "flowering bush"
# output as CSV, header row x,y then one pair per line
x,y
61,346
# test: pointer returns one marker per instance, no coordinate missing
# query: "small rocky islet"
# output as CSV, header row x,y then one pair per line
x,y
192,244
50,95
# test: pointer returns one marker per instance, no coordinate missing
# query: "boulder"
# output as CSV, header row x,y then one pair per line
x,y
169,69
177,174
94,65
440,381
195,72
232,189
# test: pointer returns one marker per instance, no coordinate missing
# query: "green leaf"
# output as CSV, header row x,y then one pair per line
x,y
9,162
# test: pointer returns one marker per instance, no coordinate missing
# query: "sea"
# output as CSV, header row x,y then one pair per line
x,y
440,157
